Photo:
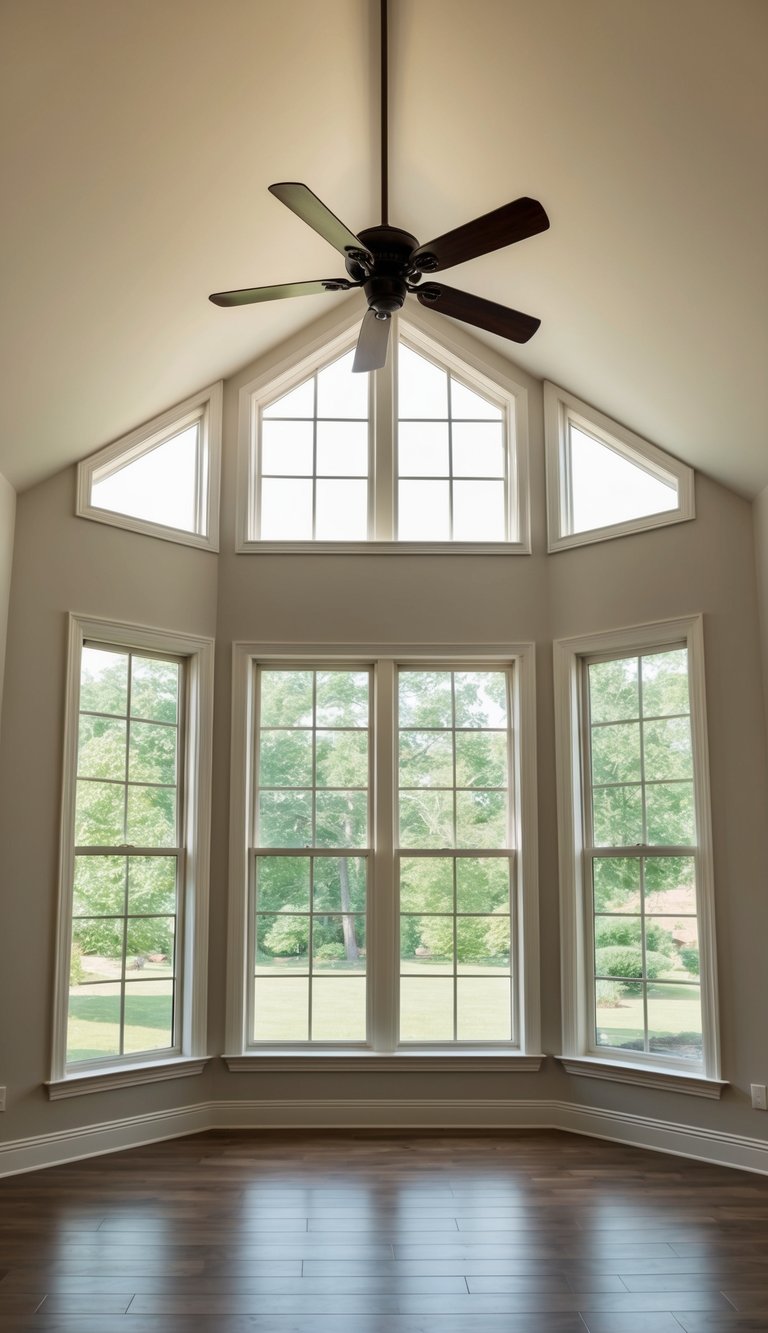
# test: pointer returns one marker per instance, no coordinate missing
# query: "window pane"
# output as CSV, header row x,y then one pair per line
x,y
422,449
670,884
481,759
607,487
342,448
674,942
424,511
152,753
342,511
151,817
482,884
426,884
665,683
342,698
159,486
481,819
286,698
282,883
674,1021
620,1015
285,758
616,753
478,449
338,943
100,814
426,819
483,1009
298,402
339,884
468,405
482,945
97,947
617,884
104,681
93,1022
287,448
670,814
285,819
282,944
619,946
426,759
281,1009
149,947
425,699
338,1009
101,748
422,387
342,758
426,945
340,393
154,689
618,816
613,690
426,1009
152,884
148,1016
286,510
99,886
342,818
481,698
667,749
478,511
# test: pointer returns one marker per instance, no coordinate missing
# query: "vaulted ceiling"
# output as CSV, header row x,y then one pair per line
x,y
139,138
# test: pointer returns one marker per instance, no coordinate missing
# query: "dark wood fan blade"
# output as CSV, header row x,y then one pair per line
x,y
514,222
476,310
250,295
306,205
371,353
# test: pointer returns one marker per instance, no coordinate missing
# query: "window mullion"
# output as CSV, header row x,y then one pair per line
x,y
383,949
383,425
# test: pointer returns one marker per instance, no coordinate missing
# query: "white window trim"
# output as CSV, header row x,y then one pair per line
x,y
456,354
560,409
526,1056
206,407
579,1055
193,986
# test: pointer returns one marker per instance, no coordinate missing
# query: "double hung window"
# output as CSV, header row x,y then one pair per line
x,y
384,899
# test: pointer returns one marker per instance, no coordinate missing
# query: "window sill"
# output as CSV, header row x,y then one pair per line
x,y
622,1071
125,1076
391,1062
381,548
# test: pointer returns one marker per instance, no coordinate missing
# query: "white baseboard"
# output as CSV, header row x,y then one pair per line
x,y
705,1145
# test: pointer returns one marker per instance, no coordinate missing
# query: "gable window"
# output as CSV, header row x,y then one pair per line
x,y
134,834
638,895
604,481
427,454
383,888
162,479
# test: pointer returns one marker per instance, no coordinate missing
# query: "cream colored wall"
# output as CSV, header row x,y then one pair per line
x,y
7,523
760,523
63,563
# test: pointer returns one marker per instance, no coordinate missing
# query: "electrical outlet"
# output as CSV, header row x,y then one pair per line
x,y
759,1096
2,1099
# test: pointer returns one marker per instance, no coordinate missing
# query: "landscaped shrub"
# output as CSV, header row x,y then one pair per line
x,y
328,952
288,934
622,961
690,959
627,931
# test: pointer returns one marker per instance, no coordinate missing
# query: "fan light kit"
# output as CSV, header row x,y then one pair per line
x,y
389,263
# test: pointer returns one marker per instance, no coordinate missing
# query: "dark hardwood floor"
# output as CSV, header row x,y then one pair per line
x,y
371,1233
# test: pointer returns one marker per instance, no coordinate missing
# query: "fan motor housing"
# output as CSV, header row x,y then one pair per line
x,y
385,285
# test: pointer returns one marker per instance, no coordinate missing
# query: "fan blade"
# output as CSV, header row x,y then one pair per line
x,y
249,295
476,310
514,222
306,205
371,353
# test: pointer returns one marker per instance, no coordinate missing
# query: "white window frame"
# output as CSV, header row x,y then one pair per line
x,y
383,920
580,1055
189,1056
563,409
459,355
204,407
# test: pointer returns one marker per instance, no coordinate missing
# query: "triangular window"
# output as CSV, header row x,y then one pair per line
x,y
603,480
163,478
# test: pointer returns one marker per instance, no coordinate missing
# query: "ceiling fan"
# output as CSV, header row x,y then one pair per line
x,y
389,263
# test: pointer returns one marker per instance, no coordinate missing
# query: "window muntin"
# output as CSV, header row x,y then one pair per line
x,y
127,856
452,452
641,855
314,459
455,899
309,893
